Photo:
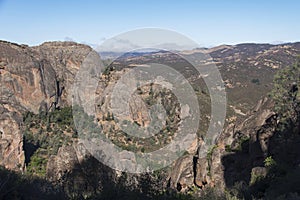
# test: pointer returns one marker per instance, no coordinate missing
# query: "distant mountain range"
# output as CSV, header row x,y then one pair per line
x,y
245,67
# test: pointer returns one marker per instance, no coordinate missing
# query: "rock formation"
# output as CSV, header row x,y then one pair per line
x,y
33,79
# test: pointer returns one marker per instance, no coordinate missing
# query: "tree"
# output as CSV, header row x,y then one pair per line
x,y
286,94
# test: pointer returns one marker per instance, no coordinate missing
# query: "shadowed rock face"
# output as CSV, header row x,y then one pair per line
x,y
33,79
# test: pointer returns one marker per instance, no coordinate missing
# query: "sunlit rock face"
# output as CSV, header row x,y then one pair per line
x,y
33,79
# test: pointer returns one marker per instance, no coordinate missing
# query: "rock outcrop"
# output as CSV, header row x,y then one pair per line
x,y
239,153
65,58
11,140
33,79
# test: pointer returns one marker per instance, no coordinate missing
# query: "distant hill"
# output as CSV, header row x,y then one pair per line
x,y
247,69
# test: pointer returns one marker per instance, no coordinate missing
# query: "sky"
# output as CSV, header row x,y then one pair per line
x,y
209,23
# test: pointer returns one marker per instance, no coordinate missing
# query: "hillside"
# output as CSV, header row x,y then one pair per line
x,y
41,144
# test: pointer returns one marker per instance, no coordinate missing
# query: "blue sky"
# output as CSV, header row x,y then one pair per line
x,y
210,22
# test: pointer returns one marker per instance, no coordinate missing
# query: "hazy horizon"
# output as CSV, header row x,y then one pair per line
x,y
208,47
209,24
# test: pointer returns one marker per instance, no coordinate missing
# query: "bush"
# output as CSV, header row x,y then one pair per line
x,y
37,165
269,162
255,81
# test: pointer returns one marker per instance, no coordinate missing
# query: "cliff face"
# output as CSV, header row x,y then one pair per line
x,y
65,59
33,79
241,147
22,78
11,139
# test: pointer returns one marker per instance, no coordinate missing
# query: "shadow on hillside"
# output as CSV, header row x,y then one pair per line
x,y
93,180
89,180
238,165
17,186
29,149
282,179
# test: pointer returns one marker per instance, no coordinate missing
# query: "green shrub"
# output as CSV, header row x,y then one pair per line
x,y
228,148
243,140
209,158
37,165
269,162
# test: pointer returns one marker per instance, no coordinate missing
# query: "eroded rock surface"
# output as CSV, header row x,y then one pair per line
x,y
11,140
33,79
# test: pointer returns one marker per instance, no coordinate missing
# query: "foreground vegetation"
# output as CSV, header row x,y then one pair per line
x,y
44,134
